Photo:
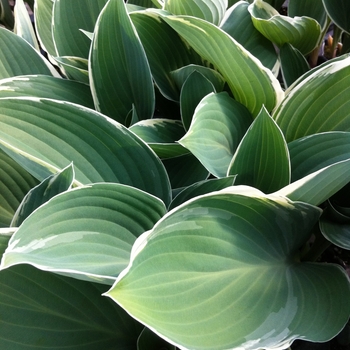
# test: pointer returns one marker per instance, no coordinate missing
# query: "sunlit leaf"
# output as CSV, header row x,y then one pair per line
x,y
74,68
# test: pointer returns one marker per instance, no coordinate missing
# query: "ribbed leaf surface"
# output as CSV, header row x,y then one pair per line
x,y
339,13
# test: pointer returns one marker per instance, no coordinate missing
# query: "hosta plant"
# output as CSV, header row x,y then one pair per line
x,y
171,173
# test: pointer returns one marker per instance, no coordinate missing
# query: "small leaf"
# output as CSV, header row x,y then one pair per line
x,y
117,55
40,194
301,32
62,235
301,114
339,13
262,158
74,68
217,127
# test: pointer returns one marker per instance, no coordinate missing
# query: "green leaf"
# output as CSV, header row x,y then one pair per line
x,y
262,158
251,83
102,150
209,10
217,127
339,13
50,187
161,135
229,258
5,235
293,64
41,309
314,152
6,15
194,89
310,8
17,57
62,235
329,179
74,68
301,32
165,50
15,182
149,340
145,3
76,15
47,87
239,25
43,19
202,187
117,55
316,103
23,24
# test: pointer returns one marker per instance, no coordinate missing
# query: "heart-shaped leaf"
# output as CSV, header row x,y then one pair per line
x,y
62,235
217,127
230,258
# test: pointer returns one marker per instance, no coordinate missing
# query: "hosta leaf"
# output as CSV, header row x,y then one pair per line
x,y
145,3
310,8
201,187
314,152
62,235
5,235
194,89
238,24
262,157
251,83
41,309
165,50
330,179
23,24
228,258
161,135
76,15
102,150
209,10
43,19
15,182
339,13
317,104
293,64
218,125
17,57
149,340
6,15
50,187
275,3
301,32
47,87
117,55
74,68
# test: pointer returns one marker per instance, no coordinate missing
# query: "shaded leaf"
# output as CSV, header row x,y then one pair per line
x,y
74,68
5,235
149,340
339,13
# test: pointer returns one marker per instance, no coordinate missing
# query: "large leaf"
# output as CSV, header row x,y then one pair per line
x,y
316,103
217,127
86,233
117,55
209,10
301,32
17,57
339,13
47,135
251,83
69,18
43,310
165,50
46,86
238,23
50,187
15,182
221,272
262,157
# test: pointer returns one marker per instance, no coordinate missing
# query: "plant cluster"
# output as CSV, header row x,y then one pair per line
x,y
171,172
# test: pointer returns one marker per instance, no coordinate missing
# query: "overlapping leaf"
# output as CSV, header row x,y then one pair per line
x,y
74,68
120,75
229,258
316,103
46,135
63,235
301,32
218,125
262,158
339,13
41,309
251,83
